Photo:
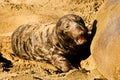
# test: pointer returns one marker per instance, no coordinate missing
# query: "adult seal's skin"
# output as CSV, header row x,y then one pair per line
x,y
105,47
64,45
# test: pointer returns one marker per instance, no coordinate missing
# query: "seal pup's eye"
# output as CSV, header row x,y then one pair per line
x,y
67,26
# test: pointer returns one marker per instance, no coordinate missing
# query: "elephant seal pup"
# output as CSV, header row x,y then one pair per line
x,y
63,45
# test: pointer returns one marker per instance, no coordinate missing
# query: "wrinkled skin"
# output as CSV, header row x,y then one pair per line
x,y
63,45
105,47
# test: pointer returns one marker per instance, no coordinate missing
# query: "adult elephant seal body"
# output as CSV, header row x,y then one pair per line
x,y
64,45
105,46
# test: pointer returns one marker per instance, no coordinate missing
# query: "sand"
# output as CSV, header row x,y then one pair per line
x,y
14,13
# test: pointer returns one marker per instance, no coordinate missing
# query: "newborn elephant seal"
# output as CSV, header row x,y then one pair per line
x,y
64,45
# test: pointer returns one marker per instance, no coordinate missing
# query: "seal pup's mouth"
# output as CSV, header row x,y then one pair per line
x,y
81,39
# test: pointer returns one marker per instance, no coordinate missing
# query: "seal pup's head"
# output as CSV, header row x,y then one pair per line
x,y
71,28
